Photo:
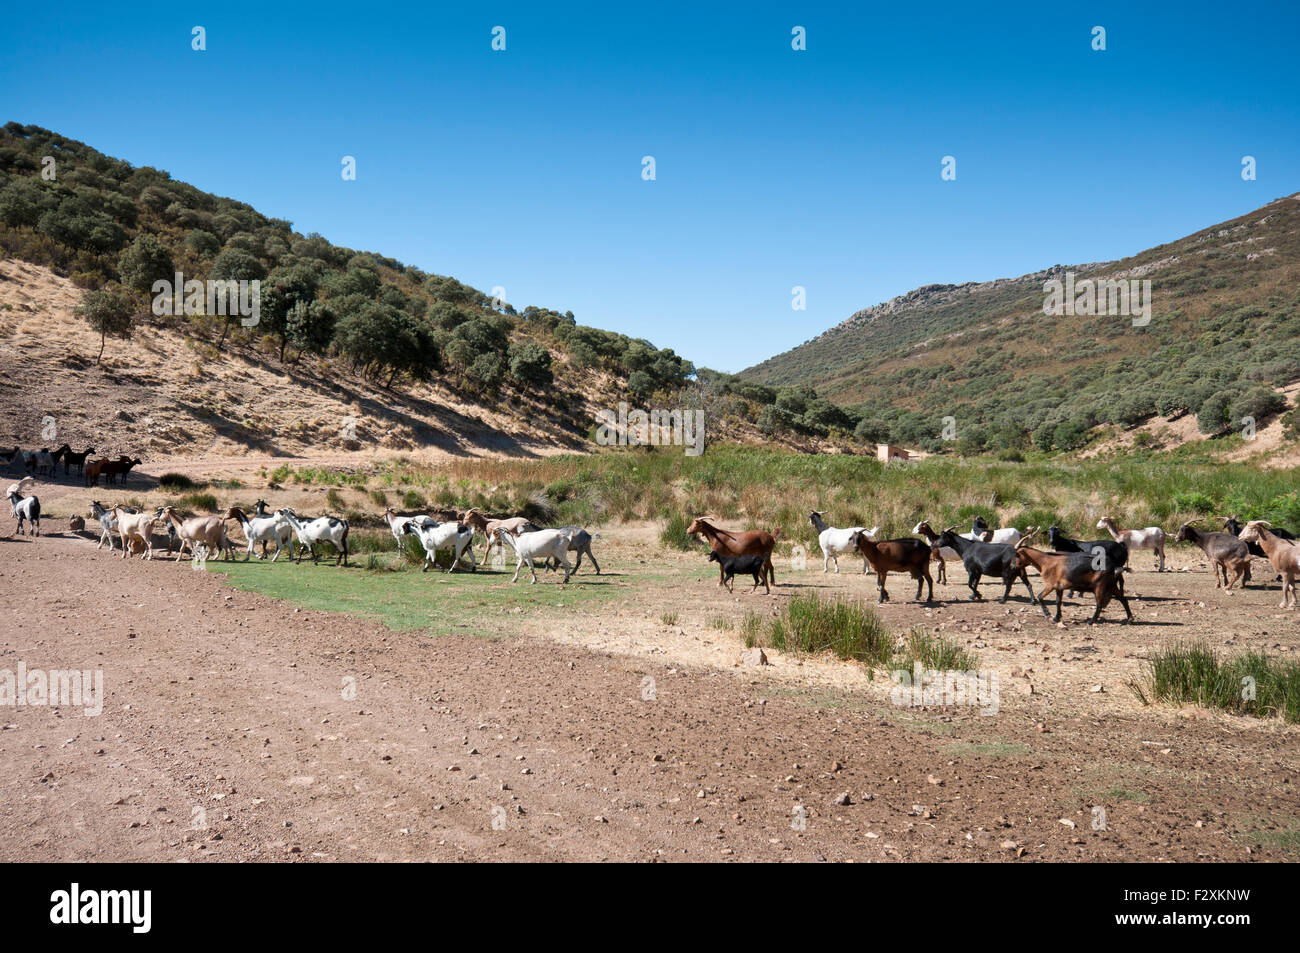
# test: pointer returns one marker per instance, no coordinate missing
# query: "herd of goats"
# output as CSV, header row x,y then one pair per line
x,y
1069,565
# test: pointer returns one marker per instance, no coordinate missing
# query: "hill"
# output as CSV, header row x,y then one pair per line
x,y
349,350
1221,344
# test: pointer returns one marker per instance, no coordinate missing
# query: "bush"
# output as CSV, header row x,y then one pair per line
x,y
674,535
1182,674
176,482
810,623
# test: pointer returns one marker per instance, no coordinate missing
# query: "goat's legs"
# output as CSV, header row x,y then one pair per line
x,y
880,583
1024,577
973,584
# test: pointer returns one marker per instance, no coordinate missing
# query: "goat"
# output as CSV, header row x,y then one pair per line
x,y
38,460
107,523
92,471
896,555
1153,538
986,559
397,524
834,542
939,553
753,542
117,470
1283,555
1077,572
210,531
488,527
1106,553
579,542
548,543
1232,525
26,509
457,537
262,529
1224,550
331,529
1007,534
134,526
77,460
745,565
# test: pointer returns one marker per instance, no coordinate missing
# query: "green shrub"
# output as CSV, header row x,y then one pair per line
x,y
1246,684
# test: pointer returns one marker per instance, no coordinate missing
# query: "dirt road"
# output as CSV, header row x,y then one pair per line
x,y
226,734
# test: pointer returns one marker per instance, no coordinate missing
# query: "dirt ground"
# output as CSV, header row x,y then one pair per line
x,y
236,727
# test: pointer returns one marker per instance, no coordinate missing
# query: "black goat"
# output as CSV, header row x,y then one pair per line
x,y
755,566
1105,553
986,559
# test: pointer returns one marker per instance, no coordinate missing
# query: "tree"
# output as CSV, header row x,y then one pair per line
x,y
1213,416
107,313
235,264
285,290
204,244
530,365
143,262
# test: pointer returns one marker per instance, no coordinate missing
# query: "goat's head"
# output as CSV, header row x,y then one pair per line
x,y
1105,522
1251,532
714,557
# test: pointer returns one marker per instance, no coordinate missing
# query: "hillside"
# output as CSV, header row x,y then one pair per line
x,y
1221,344
351,351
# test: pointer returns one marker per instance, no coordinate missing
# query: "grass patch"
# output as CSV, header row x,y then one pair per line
x,y
813,623
204,502
668,618
482,603
674,535
177,483
935,652
1246,684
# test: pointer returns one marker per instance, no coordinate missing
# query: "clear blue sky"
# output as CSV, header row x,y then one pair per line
x,y
775,168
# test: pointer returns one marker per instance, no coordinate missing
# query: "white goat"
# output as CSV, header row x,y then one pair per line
x,y
328,529
1007,534
134,526
25,508
1152,538
456,537
836,542
397,524
262,529
542,544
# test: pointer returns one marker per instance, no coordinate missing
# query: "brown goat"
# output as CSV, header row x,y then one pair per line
x,y
750,542
1283,554
897,555
1061,571
1224,551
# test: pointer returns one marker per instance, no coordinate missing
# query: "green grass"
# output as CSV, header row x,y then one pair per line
x,y
377,588
1195,674
813,623
935,652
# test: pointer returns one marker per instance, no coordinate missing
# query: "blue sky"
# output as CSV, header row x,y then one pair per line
x,y
775,168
